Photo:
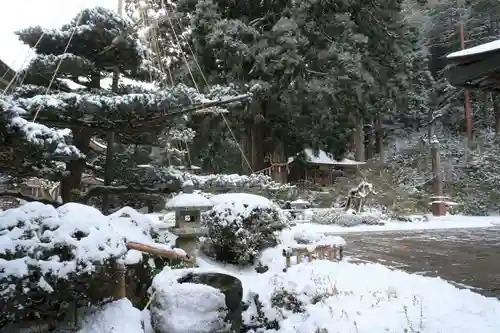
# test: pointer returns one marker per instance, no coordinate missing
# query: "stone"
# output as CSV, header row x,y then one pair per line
x,y
188,308
189,244
230,286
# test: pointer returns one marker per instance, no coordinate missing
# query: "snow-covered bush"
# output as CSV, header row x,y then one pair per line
x,y
51,258
340,217
240,226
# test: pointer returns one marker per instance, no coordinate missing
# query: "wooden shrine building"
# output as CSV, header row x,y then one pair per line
x,y
318,168
476,68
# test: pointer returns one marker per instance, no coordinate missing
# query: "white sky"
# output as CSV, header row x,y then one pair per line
x,y
18,14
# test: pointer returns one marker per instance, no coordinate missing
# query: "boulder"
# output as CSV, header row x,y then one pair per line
x,y
188,308
228,285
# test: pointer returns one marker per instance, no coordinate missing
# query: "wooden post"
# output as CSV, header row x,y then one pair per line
x,y
438,206
467,96
121,284
379,132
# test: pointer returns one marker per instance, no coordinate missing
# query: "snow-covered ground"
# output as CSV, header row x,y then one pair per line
x,y
344,297
330,296
444,222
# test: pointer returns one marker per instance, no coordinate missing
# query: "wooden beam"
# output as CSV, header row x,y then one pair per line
x,y
467,74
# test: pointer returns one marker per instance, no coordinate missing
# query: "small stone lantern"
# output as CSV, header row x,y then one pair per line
x,y
188,207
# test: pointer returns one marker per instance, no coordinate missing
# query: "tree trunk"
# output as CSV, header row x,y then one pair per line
x,y
257,137
379,138
72,178
359,141
496,110
74,169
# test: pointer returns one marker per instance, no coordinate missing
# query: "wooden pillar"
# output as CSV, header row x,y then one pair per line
x,y
121,284
379,133
438,206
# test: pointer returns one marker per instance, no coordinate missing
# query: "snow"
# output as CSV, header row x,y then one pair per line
x,y
359,297
118,316
324,158
147,86
31,233
220,180
373,298
480,49
347,296
443,222
300,202
241,204
39,136
321,158
185,307
250,200
189,200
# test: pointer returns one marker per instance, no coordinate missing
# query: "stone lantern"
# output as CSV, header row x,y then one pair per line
x,y
188,207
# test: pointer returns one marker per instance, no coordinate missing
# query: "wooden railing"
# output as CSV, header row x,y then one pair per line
x,y
327,252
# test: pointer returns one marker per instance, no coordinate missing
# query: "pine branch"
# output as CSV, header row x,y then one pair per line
x,y
97,191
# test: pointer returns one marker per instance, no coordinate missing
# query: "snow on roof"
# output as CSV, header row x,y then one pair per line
x,y
321,158
346,161
299,202
480,49
188,200
324,158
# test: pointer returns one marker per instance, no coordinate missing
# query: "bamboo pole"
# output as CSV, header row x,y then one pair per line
x,y
158,252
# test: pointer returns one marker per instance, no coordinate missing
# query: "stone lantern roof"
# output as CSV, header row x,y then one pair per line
x,y
189,201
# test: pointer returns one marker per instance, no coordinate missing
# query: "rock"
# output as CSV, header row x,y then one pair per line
x,y
188,308
261,269
230,286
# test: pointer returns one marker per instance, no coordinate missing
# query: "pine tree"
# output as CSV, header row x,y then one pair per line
x,y
94,45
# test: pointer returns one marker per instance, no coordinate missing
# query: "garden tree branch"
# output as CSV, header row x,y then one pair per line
x,y
97,191
29,198
139,124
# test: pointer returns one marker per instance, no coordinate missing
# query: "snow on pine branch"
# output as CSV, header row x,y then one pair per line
x,y
185,134
123,108
48,141
67,64
206,182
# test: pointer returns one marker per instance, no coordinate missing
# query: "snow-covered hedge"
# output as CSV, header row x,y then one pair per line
x,y
340,217
240,226
51,258
214,181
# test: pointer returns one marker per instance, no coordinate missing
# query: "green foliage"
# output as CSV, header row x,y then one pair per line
x,y
318,66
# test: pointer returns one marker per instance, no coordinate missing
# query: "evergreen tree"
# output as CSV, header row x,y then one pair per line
x,y
94,45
